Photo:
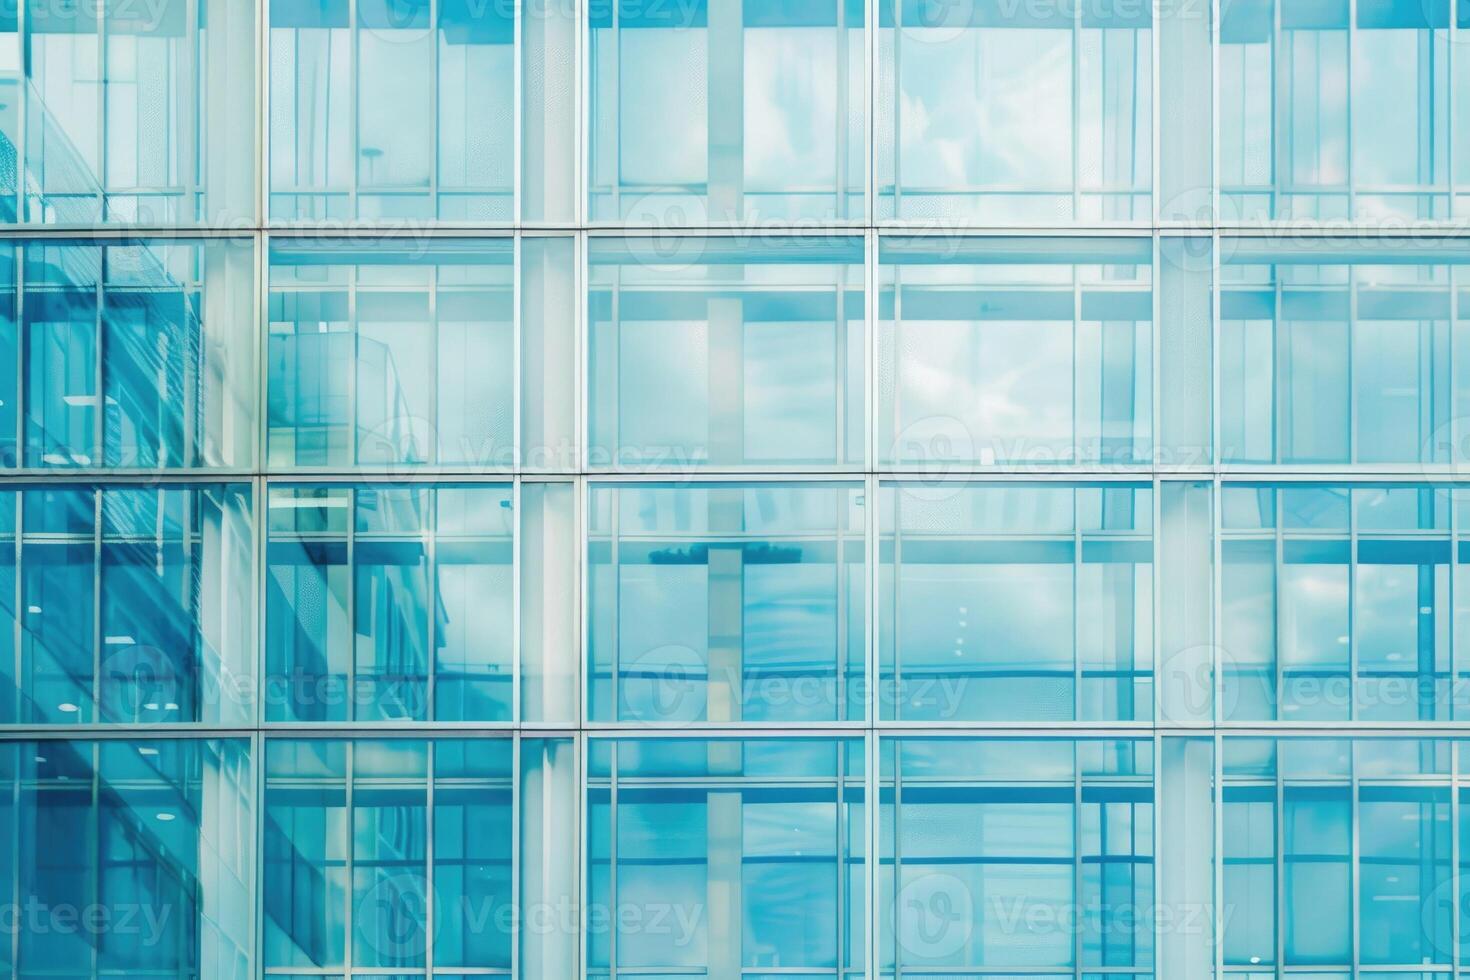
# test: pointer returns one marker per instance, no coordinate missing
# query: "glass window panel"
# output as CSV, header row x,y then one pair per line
x,y
738,602
673,843
991,113
394,116
1016,602
423,579
983,866
1339,355
719,352
384,355
1249,869
347,840
724,110
134,355
1317,899
1014,351
147,618
128,852
1331,148
1319,625
1405,846
133,115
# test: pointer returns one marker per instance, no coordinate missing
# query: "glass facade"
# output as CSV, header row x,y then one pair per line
x,y
735,489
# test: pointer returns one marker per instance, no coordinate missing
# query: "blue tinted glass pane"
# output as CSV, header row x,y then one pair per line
x,y
58,592
472,876
1076,147
366,808
1116,845
419,625
172,572
729,602
716,111
389,886
1317,913
10,340
1342,140
112,844
991,598
304,838
115,132
1317,627
123,328
672,848
308,646
1003,350
61,377
474,588
382,355
1335,355
1249,870
1405,855
391,626
726,351
392,117
984,859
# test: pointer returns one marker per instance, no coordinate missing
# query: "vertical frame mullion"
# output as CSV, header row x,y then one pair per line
x,y
430,886
22,145
190,209
431,655
897,821
515,851
102,126
612,864
349,819
517,715
1455,856
94,710
351,712
354,69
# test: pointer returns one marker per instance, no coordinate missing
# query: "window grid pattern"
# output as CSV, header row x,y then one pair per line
x,y
739,425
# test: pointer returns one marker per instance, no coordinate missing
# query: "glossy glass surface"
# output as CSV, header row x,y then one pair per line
x,y
1033,855
386,354
1340,602
1338,355
748,853
734,490
714,111
725,352
126,113
392,109
728,602
996,350
127,604
1341,849
389,603
130,857
1337,110
1016,602
127,354
1009,115
407,846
